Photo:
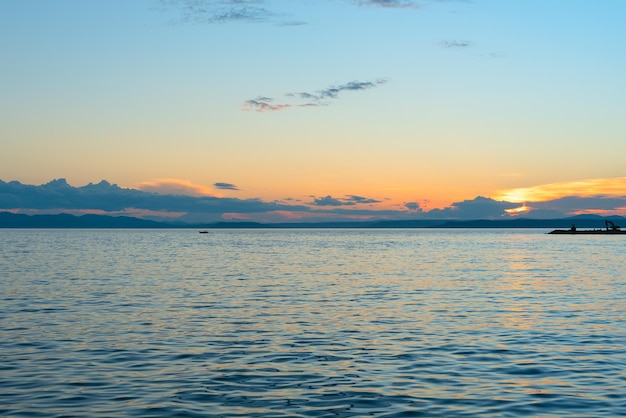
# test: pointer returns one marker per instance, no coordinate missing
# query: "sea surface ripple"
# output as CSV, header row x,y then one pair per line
x,y
311,323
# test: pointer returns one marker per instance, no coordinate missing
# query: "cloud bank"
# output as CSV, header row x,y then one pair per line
x,y
58,196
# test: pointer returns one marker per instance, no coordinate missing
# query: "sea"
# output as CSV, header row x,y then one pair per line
x,y
311,323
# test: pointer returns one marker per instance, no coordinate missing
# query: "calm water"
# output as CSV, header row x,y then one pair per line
x,y
311,323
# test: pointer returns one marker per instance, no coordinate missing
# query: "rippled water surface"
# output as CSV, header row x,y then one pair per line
x,y
311,323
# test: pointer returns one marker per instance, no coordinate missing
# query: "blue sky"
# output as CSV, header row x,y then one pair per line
x,y
423,103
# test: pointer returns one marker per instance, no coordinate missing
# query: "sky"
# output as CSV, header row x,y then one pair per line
x,y
320,109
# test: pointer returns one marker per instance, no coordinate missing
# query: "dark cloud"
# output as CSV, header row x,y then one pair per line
x,y
361,200
310,99
487,208
58,195
225,186
478,208
413,206
327,201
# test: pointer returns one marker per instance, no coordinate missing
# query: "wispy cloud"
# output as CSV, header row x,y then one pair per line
x,y
225,186
333,91
225,11
350,200
253,11
390,4
456,44
265,104
309,99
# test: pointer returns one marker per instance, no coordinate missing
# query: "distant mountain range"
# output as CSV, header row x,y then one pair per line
x,y
12,220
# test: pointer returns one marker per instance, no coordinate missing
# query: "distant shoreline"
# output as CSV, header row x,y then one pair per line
x,y
10,220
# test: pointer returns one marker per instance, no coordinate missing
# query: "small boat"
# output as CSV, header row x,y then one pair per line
x,y
611,229
203,232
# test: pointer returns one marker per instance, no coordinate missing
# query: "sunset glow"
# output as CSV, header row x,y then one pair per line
x,y
519,210
176,186
621,211
582,188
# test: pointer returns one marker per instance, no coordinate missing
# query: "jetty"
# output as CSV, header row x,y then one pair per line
x,y
610,229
